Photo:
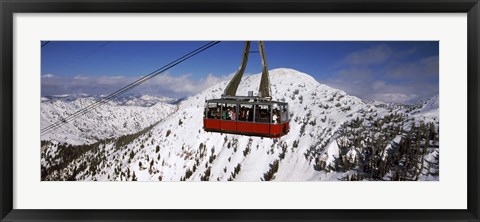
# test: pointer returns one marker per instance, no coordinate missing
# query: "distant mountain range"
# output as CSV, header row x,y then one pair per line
x,y
123,115
135,99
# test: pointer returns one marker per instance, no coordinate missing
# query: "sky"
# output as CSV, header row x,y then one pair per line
x,y
388,71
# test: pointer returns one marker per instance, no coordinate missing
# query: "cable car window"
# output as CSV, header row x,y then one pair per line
x,y
245,112
213,111
229,111
284,113
276,114
262,113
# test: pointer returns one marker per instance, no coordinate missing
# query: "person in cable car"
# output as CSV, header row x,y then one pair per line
x,y
250,114
241,115
258,115
224,114
275,116
232,114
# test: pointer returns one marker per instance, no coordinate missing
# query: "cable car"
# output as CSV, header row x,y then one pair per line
x,y
247,115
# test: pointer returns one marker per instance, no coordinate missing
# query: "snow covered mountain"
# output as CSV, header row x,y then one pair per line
x,y
333,136
131,99
123,115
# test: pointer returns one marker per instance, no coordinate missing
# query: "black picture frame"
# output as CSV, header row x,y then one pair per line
x,y
9,7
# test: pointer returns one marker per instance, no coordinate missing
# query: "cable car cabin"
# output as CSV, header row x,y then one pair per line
x,y
246,117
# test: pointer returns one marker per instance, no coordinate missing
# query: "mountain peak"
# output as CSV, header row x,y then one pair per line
x,y
290,73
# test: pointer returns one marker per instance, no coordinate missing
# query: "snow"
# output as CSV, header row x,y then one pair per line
x,y
396,140
332,153
108,120
430,110
317,112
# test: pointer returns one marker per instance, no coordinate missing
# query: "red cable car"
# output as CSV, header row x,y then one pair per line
x,y
247,115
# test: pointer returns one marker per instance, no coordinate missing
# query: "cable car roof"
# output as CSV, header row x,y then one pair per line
x,y
246,100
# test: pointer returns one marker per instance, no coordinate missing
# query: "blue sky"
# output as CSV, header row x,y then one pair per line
x,y
393,71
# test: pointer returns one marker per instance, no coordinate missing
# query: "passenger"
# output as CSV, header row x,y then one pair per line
x,y
250,115
232,115
262,116
209,113
224,114
276,116
258,115
215,112
241,114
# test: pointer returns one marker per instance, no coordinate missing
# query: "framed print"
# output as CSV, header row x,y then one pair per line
x,y
209,110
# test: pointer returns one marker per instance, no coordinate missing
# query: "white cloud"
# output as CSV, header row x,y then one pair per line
x,y
79,77
47,75
373,55
387,75
163,84
116,77
366,84
424,68
394,97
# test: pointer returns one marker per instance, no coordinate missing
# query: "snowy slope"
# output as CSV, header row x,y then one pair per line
x,y
121,116
306,98
177,148
430,109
